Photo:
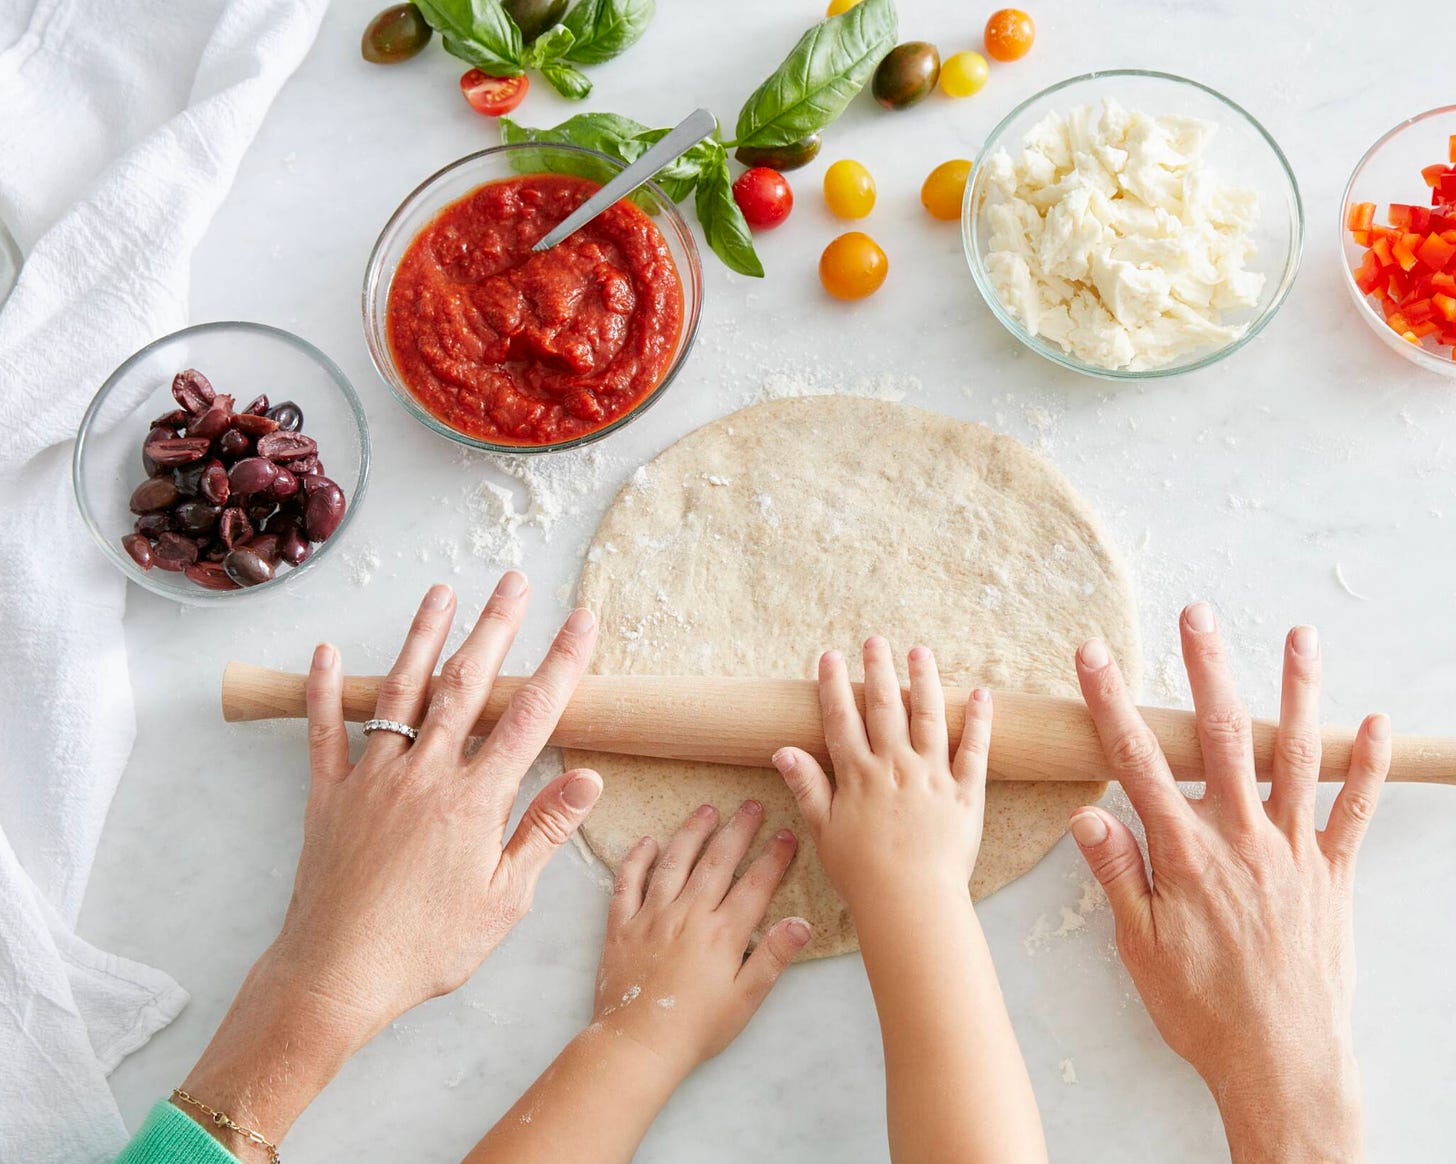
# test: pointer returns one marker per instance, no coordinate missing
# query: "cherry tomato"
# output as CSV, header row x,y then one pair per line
x,y
849,189
493,96
962,74
1009,34
853,266
764,197
838,7
945,189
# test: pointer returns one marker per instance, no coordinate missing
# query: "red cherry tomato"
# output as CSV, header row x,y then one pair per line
x,y
493,96
764,197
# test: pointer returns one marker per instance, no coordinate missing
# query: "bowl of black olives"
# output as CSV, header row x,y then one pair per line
x,y
223,459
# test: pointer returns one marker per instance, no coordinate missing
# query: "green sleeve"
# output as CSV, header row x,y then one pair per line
x,y
170,1136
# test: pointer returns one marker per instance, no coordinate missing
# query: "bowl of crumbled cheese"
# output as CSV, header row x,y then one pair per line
x,y
1130,224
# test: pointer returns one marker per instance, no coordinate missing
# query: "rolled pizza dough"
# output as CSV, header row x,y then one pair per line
x,y
767,537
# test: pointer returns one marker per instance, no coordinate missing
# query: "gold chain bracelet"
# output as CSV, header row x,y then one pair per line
x,y
222,1120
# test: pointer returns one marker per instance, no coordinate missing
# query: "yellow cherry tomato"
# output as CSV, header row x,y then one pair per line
x,y
837,7
945,189
962,74
853,266
1009,34
849,189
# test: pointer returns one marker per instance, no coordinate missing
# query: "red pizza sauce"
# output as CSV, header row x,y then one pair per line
x,y
533,349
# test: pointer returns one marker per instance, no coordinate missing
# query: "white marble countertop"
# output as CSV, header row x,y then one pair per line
x,y
1247,483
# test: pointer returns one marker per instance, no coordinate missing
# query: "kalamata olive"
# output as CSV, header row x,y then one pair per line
x,y
294,548
253,424
286,446
173,420
281,521
149,466
193,391
258,405
188,478
252,475
216,552
154,494
301,465
308,482
215,421
265,545
194,517
784,157
259,511
533,17
210,575
214,484
139,548
288,415
395,35
906,75
284,486
234,444
151,525
233,527
245,567
171,451
174,552
324,511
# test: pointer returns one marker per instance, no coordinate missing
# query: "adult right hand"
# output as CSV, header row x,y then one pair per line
x,y
1241,945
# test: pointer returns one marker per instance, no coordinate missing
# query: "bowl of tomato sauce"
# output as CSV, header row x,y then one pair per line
x,y
503,349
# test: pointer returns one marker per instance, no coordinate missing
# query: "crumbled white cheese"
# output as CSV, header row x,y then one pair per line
x,y
1110,236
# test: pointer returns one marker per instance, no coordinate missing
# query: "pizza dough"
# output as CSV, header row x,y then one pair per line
x,y
769,536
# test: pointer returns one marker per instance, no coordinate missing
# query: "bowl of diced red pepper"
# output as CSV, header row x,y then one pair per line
x,y
1398,228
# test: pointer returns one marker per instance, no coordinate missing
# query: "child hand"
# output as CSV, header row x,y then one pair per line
x,y
901,811
673,975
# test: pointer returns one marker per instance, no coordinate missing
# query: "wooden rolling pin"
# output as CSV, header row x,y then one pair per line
x,y
744,721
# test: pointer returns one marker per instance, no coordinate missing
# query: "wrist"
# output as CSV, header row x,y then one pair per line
x,y
642,1064
1278,1116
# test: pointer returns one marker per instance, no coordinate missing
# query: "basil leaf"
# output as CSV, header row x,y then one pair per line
x,y
605,132
479,32
551,45
722,222
570,82
679,177
605,28
829,65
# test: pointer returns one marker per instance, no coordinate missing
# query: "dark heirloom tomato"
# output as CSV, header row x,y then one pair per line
x,y
513,347
785,157
533,17
907,74
396,34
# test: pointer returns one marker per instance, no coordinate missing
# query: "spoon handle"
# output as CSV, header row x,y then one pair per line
x,y
696,126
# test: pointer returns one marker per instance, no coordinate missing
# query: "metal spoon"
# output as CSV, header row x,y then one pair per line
x,y
694,128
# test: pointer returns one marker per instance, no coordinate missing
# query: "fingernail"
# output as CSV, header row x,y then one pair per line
x,y
1094,655
1200,617
798,931
511,585
1380,727
1305,641
581,621
752,808
919,654
704,810
323,657
783,760
581,793
437,598
981,695
784,835
1088,829
873,643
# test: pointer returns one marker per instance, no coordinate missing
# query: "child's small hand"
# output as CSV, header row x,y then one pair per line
x,y
673,974
901,811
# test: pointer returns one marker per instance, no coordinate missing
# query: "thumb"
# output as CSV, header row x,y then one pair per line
x,y
807,781
780,946
548,822
1112,853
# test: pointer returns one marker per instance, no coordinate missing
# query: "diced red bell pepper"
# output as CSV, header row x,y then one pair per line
x,y
1400,215
1444,283
1435,252
1418,311
1380,248
1445,306
1432,174
1446,187
1452,146
1404,255
1361,215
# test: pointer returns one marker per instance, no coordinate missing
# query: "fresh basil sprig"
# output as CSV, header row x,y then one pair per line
x,y
829,65
482,33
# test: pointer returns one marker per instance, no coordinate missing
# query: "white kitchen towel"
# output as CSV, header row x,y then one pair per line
x,y
122,123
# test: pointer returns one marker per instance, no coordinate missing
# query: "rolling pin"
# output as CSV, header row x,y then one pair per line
x,y
744,721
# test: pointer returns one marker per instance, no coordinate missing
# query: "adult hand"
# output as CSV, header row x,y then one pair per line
x,y
1241,945
407,878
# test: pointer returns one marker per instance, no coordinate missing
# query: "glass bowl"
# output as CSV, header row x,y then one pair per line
x,y
1390,172
1241,153
243,359
460,178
